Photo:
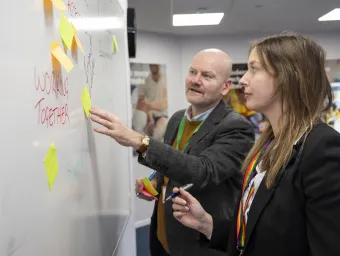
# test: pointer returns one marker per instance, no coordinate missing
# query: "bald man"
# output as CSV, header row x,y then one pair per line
x,y
204,145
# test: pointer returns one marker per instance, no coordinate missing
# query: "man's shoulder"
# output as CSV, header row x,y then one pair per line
x,y
228,114
177,115
233,119
234,115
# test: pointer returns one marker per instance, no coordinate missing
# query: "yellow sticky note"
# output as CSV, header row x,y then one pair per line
x,y
58,53
66,31
148,187
51,165
114,44
86,101
59,4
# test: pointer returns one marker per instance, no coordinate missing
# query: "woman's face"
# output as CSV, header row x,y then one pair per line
x,y
259,86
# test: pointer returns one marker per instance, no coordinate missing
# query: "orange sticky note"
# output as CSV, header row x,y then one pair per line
x,y
59,4
66,31
76,39
58,53
48,10
78,43
54,45
148,187
51,165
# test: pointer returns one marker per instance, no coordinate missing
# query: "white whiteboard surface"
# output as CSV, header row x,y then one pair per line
x,y
88,206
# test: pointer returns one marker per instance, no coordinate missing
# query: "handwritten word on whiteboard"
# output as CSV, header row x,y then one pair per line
x,y
51,84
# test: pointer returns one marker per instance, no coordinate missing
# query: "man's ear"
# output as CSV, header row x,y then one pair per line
x,y
226,87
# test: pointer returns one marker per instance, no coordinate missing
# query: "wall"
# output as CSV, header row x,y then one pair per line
x,y
237,47
154,48
176,53
162,49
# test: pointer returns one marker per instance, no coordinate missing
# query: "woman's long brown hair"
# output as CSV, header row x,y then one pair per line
x,y
297,66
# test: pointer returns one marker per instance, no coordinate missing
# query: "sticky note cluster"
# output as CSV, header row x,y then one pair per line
x,y
68,33
148,187
69,36
70,40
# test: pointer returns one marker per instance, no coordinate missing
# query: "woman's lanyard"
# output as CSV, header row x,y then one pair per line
x,y
249,175
181,131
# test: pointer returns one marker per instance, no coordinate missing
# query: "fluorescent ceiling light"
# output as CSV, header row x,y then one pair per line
x,y
332,15
104,23
197,19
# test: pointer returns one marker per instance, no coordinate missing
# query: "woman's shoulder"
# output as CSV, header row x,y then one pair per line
x,y
322,132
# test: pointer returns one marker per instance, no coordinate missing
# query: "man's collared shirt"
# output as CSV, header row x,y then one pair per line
x,y
199,117
187,115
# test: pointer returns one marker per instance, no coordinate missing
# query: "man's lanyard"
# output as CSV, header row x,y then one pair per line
x,y
180,133
178,141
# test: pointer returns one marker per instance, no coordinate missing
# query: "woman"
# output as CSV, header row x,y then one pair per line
x,y
291,192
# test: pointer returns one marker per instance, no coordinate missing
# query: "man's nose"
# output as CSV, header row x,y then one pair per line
x,y
197,79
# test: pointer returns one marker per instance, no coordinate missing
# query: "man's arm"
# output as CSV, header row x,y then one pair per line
x,y
216,163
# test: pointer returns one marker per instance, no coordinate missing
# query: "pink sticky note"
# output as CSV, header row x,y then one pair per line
x,y
146,193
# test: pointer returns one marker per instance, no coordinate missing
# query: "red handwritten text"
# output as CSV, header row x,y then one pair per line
x,y
51,83
73,9
52,116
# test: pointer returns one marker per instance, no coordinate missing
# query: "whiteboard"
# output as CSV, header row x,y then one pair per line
x,y
88,206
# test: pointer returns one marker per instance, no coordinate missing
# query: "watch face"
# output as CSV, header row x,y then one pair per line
x,y
146,140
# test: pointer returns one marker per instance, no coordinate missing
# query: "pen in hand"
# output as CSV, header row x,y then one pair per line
x,y
173,195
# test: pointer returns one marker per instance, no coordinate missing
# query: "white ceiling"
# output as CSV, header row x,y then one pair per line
x,y
241,16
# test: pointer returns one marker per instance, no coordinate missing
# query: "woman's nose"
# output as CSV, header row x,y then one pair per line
x,y
243,82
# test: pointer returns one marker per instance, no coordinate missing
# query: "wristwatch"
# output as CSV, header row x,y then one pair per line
x,y
145,143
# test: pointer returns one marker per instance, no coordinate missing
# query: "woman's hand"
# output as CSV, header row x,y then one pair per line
x,y
190,213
